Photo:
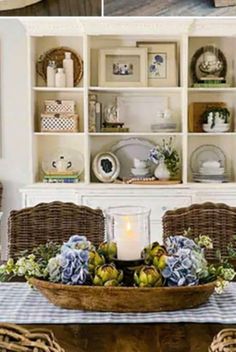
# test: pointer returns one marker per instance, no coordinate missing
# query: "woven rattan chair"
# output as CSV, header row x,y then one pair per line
x,y
56,221
14,338
218,221
224,341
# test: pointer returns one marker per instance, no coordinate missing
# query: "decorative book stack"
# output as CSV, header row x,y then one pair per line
x,y
61,177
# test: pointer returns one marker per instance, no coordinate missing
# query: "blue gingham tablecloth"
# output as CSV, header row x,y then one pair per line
x,y
22,305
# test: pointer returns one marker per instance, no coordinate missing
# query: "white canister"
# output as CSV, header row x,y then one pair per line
x,y
68,65
60,78
51,73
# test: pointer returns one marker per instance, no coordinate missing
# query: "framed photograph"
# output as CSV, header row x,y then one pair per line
x,y
122,67
162,65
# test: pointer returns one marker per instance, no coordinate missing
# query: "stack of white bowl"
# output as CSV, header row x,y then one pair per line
x,y
210,172
140,168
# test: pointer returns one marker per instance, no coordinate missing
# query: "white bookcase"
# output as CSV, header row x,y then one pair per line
x,y
86,37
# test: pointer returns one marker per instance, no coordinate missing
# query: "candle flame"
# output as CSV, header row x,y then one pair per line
x,y
128,226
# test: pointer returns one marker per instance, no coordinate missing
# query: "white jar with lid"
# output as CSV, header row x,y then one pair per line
x,y
60,78
51,73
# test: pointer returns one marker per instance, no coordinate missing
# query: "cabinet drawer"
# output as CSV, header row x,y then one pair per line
x,y
228,199
34,199
158,205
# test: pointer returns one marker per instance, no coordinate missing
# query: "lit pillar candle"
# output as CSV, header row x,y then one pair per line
x,y
129,241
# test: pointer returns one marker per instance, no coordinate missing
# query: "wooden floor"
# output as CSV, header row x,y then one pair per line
x,y
166,8
59,8
135,337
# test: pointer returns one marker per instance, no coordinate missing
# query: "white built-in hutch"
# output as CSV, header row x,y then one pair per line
x,y
86,36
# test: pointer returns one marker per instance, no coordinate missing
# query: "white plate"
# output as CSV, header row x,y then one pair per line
x,y
128,149
70,155
213,171
106,167
140,172
207,152
167,127
210,181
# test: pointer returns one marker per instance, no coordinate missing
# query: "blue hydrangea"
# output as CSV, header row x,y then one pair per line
x,y
175,243
77,242
155,155
71,265
185,264
74,264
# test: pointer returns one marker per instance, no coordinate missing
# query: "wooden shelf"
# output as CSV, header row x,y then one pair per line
x,y
49,89
65,134
206,134
135,134
136,89
210,90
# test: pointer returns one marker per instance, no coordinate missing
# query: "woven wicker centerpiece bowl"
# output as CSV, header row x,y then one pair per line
x,y
124,299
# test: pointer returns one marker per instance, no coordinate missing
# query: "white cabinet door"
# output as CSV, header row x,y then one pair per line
x,y
156,231
158,204
32,199
226,197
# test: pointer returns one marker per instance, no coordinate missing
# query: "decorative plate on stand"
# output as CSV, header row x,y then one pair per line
x,y
70,157
15,4
206,152
106,167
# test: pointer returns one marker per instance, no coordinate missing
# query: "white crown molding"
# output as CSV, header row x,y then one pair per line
x,y
136,26
67,26
72,26
213,27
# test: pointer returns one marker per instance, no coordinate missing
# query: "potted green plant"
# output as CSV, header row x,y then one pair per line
x,y
216,119
166,157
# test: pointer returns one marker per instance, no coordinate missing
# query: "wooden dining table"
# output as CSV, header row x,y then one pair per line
x,y
78,331
135,337
58,8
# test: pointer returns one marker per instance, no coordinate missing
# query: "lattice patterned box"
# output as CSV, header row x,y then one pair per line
x,y
60,106
59,122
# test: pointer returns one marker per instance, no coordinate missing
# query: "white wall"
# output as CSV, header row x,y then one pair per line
x,y
14,133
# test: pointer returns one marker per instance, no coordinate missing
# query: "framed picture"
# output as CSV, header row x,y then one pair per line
x,y
122,67
162,63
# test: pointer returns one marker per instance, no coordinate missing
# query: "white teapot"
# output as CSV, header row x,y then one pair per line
x,y
62,165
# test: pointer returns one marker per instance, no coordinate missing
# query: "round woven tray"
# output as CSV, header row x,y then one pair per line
x,y
58,55
124,299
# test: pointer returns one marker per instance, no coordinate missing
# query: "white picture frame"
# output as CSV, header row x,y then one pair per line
x,y
122,67
162,63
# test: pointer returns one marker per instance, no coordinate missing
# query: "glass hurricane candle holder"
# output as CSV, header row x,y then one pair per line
x,y
129,228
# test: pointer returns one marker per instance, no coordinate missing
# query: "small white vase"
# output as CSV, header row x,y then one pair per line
x,y
161,172
68,65
51,74
60,78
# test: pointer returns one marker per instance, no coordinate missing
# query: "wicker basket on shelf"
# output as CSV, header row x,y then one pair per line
x,y
224,341
14,338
